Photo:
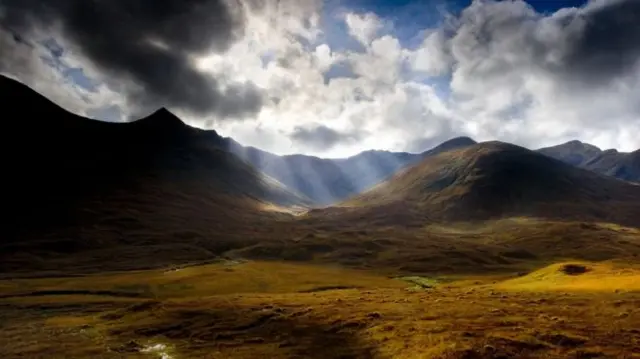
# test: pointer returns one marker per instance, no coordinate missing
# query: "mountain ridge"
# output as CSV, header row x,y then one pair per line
x,y
494,180
326,181
611,162
73,184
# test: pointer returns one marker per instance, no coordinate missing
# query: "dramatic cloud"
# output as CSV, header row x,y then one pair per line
x,y
525,77
603,40
314,77
48,70
150,43
593,45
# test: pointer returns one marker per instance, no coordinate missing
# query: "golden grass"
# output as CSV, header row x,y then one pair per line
x,y
597,277
228,277
285,310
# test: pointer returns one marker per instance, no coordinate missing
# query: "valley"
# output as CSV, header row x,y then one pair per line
x,y
154,239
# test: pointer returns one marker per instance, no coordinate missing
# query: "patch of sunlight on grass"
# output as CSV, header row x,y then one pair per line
x,y
578,276
420,282
214,279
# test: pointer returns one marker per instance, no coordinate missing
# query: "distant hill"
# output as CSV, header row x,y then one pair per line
x,y
573,152
327,181
494,180
622,165
71,183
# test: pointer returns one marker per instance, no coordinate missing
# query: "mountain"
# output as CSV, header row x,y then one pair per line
x,y
71,183
625,166
622,165
573,152
327,181
452,144
493,180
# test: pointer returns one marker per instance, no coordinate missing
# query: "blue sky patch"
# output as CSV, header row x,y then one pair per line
x,y
74,74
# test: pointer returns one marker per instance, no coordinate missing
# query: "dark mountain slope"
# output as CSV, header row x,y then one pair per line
x,y
625,166
73,184
495,180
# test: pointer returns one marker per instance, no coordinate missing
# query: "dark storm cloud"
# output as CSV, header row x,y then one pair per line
x,y
590,45
322,138
605,42
148,42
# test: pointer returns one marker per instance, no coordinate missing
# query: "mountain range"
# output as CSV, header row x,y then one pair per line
x,y
318,181
494,180
610,162
327,181
157,191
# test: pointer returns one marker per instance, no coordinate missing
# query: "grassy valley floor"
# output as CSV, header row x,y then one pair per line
x,y
254,309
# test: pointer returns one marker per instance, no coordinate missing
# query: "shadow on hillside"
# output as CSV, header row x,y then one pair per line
x,y
68,175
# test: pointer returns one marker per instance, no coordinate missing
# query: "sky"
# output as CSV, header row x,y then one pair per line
x,y
336,77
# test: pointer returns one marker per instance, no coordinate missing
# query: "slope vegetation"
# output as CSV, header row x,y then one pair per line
x,y
496,180
579,276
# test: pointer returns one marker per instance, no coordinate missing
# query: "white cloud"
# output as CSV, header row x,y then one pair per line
x,y
508,59
363,27
508,73
381,63
431,57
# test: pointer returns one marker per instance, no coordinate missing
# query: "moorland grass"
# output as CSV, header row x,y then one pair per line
x,y
271,310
